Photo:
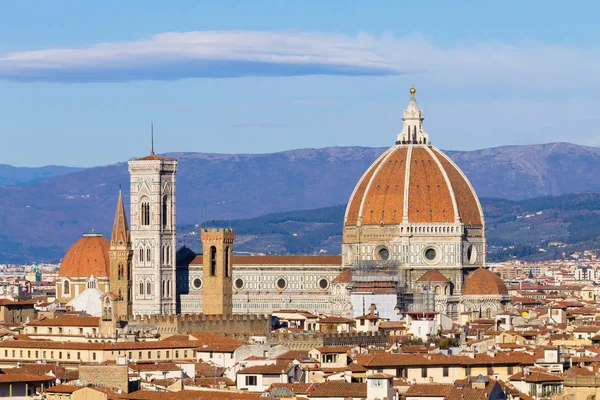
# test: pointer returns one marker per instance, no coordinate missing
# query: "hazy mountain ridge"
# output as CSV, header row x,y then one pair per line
x,y
10,175
40,220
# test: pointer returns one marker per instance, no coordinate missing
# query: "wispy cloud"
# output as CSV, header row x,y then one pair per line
x,y
223,54
228,54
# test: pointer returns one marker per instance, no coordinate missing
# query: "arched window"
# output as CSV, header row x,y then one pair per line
x,y
120,270
141,255
149,289
165,212
145,212
169,288
164,288
141,288
226,265
120,295
148,255
213,261
66,288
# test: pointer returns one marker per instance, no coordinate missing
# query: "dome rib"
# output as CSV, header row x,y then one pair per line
x,y
469,208
384,198
356,199
429,196
448,183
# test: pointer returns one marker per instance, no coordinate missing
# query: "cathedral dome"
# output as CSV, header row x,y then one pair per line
x,y
413,182
483,282
87,256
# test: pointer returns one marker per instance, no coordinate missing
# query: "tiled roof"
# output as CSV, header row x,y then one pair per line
x,y
344,276
380,196
154,157
433,275
87,256
14,378
484,282
332,319
427,390
386,359
339,389
269,369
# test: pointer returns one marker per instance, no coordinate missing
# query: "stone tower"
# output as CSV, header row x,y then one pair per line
x,y
217,245
120,254
153,234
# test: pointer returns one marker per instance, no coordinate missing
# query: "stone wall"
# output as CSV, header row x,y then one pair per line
x,y
233,325
115,376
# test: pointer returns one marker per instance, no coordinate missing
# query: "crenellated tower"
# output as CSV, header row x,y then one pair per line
x,y
153,234
120,255
217,245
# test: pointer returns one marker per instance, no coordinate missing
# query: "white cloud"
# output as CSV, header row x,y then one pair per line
x,y
225,54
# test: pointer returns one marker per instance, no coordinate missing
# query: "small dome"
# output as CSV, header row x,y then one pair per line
x,y
433,275
483,282
87,256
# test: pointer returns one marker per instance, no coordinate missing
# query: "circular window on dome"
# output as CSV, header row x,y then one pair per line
x,y
471,254
239,284
383,253
430,254
197,283
281,284
323,284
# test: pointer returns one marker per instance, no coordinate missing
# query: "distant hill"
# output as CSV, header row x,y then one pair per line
x,y
540,228
10,175
41,218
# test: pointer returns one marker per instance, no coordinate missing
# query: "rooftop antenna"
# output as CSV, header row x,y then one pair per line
x,y
152,135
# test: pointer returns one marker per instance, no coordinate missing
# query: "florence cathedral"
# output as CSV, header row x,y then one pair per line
x,y
413,241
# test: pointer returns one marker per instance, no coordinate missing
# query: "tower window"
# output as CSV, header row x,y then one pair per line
x,y
213,261
148,255
120,272
142,255
148,289
141,288
145,213
165,212
226,265
66,288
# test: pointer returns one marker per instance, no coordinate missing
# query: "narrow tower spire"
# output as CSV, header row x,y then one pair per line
x,y
120,234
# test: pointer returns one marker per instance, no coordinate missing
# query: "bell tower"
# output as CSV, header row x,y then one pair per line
x,y
152,185
120,262
217,249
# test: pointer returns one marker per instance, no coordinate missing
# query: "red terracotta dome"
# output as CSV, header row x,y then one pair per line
x,y
417,179
483,282
87,256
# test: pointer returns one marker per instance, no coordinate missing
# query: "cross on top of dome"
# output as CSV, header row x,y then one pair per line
x,y
412,129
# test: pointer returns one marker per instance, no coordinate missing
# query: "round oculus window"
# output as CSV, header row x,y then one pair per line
x,y
430,254
323,284
197,283
239,284
281,283
384,254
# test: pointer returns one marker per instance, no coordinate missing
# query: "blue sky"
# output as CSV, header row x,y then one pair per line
x,y
81,81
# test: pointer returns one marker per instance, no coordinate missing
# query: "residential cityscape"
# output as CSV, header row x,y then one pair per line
x,y
358,265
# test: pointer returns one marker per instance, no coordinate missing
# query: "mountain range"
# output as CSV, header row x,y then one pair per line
x,y
40,216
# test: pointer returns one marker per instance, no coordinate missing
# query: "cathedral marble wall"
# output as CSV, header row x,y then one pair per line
x,y
262,289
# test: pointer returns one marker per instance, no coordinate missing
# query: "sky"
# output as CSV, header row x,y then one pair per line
x,y
81,81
